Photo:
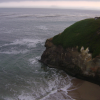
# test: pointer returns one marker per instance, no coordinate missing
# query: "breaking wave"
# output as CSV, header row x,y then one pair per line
x,y
42,27
34,60
54,87
15,52
20,46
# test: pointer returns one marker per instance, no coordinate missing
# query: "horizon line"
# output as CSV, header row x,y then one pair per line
x,y
53,4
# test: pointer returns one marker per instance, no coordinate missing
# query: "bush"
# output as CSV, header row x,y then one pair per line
x,y
83,33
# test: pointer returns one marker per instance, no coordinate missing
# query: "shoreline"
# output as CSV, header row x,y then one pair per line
x,y
84,90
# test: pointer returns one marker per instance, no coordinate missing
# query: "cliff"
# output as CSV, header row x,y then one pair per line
x,y
76,50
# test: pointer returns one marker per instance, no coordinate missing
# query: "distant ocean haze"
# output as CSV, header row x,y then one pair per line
x,y
78,4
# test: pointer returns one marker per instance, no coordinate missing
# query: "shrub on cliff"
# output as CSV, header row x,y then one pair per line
x,y
83,33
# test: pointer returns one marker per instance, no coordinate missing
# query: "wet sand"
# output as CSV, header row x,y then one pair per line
x,y
84,91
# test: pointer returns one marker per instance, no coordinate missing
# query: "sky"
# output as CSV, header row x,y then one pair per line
x,y
64,4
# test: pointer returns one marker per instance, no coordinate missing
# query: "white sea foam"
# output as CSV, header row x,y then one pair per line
x,y
15,51
57,92
57,87
7,98
28,42
32,60
42,27
51,92
38,57
25,96
45,89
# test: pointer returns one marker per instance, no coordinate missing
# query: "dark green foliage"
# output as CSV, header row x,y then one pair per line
x,y
83,33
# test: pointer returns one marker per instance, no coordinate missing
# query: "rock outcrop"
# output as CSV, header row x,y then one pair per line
x,y
97,18
79,64
76,50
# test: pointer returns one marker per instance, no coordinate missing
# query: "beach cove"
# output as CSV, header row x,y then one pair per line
x,y
23,33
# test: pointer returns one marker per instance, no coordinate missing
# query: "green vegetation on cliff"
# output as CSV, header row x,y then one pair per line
x,y
83,33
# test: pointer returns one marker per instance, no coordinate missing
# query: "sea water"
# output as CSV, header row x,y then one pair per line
x,y
23,33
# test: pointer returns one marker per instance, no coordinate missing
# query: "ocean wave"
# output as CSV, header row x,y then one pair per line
x,y
56,94
16,15
54,88
39,15
7,15
57,87
25,15
25,97
14,51
50,85
49,15
42,27
34,60
27,42
21,97
20,46
52,15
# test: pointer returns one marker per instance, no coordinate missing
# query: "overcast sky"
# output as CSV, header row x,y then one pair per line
x,y
69,4
46,0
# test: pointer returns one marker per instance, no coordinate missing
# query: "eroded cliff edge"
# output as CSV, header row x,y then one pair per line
x,y
75,61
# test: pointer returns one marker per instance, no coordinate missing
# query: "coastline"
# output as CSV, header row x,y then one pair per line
x,y
84,90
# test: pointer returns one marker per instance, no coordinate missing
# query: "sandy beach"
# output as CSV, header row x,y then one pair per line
x,y
85,90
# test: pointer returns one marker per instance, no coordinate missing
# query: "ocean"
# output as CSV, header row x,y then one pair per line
x,y
23,32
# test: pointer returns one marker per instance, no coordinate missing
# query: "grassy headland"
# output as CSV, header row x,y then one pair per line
x,y
83,33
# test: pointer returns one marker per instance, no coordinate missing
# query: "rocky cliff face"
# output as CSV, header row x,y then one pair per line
x,y
78,64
